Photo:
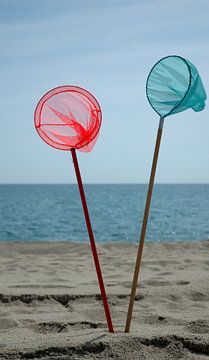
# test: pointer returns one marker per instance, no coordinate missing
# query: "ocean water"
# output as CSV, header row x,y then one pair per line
x,y
54,212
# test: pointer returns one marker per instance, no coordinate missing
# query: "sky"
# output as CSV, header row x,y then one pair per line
x,y
107,47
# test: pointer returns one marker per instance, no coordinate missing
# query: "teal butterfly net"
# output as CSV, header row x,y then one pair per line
x,y
174,85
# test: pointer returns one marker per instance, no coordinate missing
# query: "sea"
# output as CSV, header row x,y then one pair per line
x,y
179,212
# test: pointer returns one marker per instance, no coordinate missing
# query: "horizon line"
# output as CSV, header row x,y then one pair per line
x,y
108,183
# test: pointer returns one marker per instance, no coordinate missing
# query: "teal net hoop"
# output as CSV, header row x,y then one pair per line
x,y
174,85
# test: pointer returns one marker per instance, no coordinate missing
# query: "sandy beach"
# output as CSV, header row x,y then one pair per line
x,y
51,308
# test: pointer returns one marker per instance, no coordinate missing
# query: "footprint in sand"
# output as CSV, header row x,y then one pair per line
x,y
158,283
182,282
6,324
198,327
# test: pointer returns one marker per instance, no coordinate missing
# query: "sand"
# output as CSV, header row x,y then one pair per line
x,y
50,306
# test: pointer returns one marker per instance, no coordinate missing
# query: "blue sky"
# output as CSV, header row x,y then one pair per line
x,y
107,47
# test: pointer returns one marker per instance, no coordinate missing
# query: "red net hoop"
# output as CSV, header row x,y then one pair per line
x,y
68,117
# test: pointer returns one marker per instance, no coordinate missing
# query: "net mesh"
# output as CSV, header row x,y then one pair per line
x,y
174,85
68,117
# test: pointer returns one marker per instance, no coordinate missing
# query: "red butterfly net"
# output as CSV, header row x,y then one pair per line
x,y
68,117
